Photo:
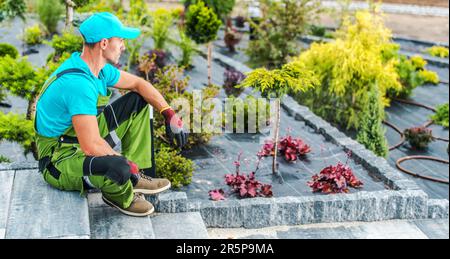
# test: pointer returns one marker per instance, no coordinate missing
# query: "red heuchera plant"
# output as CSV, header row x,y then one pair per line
x,y
335,179
217,195
291,148
245,186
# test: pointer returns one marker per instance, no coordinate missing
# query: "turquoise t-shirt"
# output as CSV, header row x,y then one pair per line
x,y
72,94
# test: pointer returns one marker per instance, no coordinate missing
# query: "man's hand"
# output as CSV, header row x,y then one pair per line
x,y
174,128
134,168
174,125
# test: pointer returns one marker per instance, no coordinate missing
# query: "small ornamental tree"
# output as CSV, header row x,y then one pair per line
x,y
70,5
222,8
292,77
282,23
136,17
202,26
347,68
50,12
187,47
371,132
161,20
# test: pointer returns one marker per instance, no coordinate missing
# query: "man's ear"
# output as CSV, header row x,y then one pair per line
x,y
104,44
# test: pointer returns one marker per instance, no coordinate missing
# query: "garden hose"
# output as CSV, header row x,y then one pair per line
x,y
428,123
415,104
441,139
402,136
403,159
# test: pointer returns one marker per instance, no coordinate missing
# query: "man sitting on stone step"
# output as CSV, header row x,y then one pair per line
x,y
77,128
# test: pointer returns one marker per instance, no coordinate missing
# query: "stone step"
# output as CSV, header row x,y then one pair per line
x,y
39,211
169,202
394,229
107,222
6,184
433,228
188,225
373,230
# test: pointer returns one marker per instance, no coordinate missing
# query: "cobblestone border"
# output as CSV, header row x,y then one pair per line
x,y
263,212
438,209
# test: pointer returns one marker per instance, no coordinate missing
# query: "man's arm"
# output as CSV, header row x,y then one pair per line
x,y
174,125
91,143
145,89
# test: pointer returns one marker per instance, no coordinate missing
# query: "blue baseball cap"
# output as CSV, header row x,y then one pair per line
x,y
105,26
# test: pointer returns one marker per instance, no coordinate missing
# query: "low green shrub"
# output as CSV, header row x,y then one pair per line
x,y
441,115
419,137
177,169
317,30
438,51
16,128
428,76
66,43
18,76
33,35
8,49
4,159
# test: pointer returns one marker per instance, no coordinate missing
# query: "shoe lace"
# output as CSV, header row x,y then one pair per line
x,y
146,177
138,196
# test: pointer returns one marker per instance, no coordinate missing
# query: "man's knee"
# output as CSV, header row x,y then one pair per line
x,y
115,168
134,101
122,109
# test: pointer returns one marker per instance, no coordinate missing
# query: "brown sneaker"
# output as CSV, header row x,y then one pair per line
x,y
148,185
140,207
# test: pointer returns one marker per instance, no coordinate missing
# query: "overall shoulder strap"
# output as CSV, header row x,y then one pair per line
x,y
60,74
49,82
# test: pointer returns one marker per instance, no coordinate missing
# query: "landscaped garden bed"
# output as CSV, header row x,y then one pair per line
x,y
311,181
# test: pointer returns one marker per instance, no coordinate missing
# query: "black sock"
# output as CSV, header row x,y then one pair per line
x,y
134,179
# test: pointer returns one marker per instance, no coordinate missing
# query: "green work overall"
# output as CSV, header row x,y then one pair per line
x,y
65,166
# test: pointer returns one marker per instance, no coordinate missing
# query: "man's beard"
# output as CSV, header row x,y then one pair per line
x,y
113,62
